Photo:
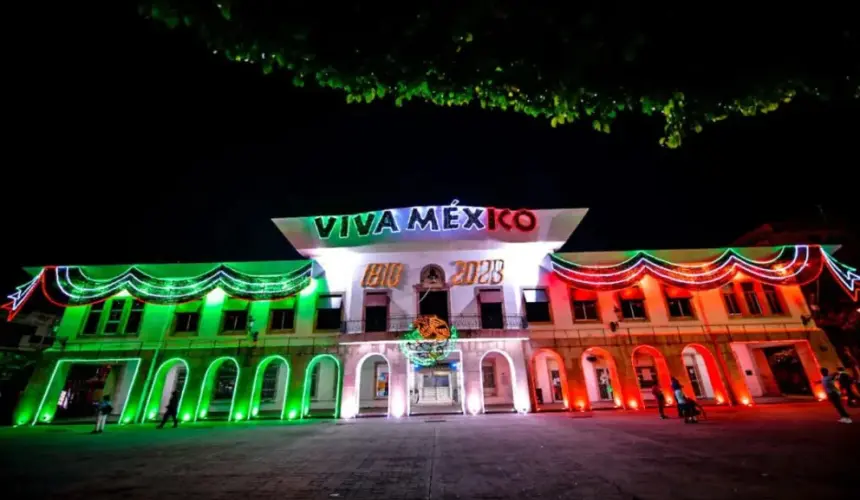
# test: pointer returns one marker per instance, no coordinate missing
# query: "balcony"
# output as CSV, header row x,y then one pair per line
x,y
467,327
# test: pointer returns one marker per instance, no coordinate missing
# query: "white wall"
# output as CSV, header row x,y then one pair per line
x,y
522,270
746,362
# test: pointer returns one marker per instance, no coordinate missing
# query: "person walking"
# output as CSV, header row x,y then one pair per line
x,y
685,407
172,408
661,400
676,386
103,409
833,394
846,383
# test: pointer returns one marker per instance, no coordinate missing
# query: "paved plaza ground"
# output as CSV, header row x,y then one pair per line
x,y
769,451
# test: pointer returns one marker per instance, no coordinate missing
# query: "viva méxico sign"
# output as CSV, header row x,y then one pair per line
x,y
430,227
432,219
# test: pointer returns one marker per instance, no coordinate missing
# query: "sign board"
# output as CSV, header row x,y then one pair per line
x,y
422,226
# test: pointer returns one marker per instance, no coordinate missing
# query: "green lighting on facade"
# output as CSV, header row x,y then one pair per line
x,y
258,383
309,289
306,393
158,385
209,382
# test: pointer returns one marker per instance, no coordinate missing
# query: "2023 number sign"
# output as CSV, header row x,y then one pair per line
x,y
382,275
481,272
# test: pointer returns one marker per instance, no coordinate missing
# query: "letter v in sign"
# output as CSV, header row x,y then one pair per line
x,y
324,229
363,226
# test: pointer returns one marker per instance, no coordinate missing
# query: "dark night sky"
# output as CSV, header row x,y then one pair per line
x,y
146,148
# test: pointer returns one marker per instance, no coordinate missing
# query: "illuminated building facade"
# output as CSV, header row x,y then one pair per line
x,y
430,310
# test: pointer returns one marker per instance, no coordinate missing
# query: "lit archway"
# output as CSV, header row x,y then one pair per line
x,y
209,386
166,377
45,411
704,374
312,384
650,372
602,382
498,388
373,397
550,377
281,386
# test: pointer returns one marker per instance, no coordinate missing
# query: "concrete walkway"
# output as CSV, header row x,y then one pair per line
x,y
774,451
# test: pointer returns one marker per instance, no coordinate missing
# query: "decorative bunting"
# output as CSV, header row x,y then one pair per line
x,y
846,276
792,265
22,293
70,286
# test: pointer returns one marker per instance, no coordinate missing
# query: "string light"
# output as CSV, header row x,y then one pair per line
x,y
20,296
65,286
846,275
805,265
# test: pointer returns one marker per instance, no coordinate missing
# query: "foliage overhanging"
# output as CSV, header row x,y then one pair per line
x,y
562,61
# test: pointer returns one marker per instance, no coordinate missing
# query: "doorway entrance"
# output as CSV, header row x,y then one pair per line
x,y
84,388
788,372
436,389
76,385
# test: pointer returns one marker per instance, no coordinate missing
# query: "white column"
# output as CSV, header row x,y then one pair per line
x,y
349,396
398,381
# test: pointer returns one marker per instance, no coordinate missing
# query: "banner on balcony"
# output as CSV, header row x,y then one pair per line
x,y
429,341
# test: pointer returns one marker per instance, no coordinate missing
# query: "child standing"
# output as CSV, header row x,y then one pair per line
x,y
103,409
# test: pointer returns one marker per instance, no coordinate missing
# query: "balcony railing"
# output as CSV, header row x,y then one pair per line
x,y
401,324
471,326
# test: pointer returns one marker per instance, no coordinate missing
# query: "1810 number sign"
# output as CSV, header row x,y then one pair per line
x,y
481,272
382,275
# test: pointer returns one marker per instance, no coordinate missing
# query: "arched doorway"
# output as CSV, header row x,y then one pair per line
x,y
218,391
322,387
550,380
171,376
372,397
651,369
704,373
601,379
498,382
269,391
